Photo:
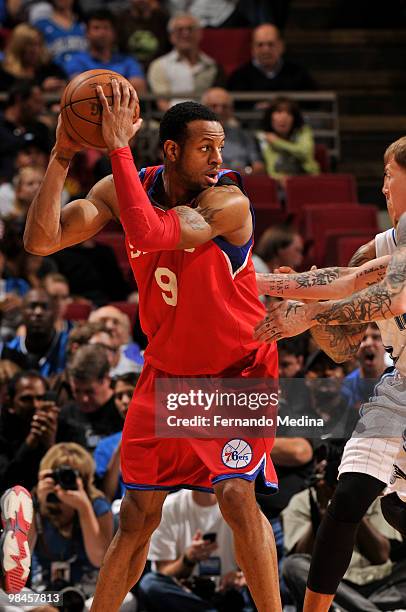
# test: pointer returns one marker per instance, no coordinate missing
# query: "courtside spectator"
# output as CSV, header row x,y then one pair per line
x,y
93,404
119,363
286,142
15,203
73,522
57,286
101,38
268,70
185,69
12,290
241,152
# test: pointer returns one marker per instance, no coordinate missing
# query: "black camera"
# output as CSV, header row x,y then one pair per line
x,y
65,476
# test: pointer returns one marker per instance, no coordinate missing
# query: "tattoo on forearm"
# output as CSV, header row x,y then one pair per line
x,y
279,284
64,160
208,214
377,274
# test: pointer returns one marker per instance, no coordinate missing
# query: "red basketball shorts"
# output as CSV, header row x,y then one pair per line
x,y
152,463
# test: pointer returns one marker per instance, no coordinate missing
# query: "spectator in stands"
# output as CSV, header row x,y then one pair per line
x,y
281,246
19,125
15,203
57,286
62,30
118,324
26,57
73,522
372,582
119,362
101,35
42,347
192,543
93,406
107,453
241,151
12,290
211,13
186,69
142,30
286,142
291,357
29,425
360,383
268,70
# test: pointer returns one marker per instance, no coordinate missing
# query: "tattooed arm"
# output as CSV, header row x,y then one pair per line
x,y
221,211
324,283
381,301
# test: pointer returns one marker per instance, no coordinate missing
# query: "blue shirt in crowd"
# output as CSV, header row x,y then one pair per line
x,y
52,363
74,63
61,41
102,457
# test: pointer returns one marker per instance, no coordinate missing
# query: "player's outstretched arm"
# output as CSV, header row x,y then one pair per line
x,y
49,228
323,283
383,300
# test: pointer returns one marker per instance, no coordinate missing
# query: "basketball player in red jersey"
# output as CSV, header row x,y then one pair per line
x,y
198,305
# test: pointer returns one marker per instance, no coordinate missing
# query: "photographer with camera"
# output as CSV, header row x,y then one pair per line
x,y
194,564
73,524
373,581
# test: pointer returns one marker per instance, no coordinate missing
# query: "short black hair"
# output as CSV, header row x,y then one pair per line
x,y
129,378
21,91
89,363
100,15
175,121
13,382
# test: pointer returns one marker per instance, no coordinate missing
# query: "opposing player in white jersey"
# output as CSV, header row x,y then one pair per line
x,y
374,459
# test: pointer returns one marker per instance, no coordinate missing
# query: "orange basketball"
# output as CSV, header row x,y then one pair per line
x,y
81,109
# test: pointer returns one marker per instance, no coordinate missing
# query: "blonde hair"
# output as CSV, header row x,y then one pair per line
x,y
76,457
397,150
20,36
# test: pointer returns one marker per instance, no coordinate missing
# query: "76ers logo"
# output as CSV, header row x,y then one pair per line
x,y
236,454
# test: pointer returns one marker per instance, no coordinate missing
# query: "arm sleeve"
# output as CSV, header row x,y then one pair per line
x,y
144,228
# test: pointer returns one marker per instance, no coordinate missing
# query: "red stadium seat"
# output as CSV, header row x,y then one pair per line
x,y
265,216
342,248
319,189
318,220
261,190
322,156
129,309
77,311
230,47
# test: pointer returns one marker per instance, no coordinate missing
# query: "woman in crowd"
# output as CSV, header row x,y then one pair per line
x,y
286,142
73,522
26,57
63,31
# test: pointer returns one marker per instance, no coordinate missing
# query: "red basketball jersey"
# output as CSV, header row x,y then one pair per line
x,y
197,306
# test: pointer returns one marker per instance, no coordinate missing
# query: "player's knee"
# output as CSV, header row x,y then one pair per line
x,y
394,511
236,499
135,516
354,494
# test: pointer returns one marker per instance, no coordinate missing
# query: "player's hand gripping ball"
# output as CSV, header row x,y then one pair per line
x,y
81,110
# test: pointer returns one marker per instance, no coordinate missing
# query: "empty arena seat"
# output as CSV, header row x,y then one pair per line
x,y
265,216
261,190
319,220
322,156
342,248
128,308
230,47
319,189
77,311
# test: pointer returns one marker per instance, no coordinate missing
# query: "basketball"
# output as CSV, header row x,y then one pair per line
x,y
81,109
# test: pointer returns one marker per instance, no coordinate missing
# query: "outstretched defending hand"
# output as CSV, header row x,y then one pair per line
x,y
283,320
117,121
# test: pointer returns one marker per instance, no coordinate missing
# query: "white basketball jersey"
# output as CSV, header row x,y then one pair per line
x,y
393,331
